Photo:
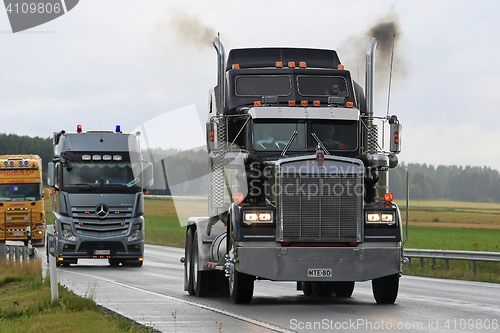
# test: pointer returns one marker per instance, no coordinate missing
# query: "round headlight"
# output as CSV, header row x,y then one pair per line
x,y
9,218
26,217
11,163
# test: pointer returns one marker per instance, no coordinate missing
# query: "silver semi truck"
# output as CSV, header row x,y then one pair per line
x,y
99,180
299,182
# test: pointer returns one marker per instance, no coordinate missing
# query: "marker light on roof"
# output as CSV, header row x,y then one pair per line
x,y
118,129
79,128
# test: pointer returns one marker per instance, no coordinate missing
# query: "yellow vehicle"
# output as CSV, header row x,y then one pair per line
x,y
21,199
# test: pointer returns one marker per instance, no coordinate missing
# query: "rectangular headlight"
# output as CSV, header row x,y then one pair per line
x,y
251,217
265,217
387,217
373,217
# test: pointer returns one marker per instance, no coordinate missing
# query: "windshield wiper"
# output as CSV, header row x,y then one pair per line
x,y
92,187
320,143
294,134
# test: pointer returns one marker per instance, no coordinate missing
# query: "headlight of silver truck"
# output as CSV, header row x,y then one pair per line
x,y
134,235
69,235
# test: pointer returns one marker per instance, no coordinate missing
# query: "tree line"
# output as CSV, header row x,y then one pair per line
x,y
457,183
186,172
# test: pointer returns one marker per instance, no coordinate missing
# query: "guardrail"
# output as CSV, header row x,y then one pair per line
x,y
448,255
16,252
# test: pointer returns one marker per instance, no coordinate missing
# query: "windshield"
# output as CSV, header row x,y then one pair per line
x,y
341,135
20,192
275,136
263,85
322,86
100,177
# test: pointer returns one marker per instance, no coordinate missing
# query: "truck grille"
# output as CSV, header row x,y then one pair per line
x,y
320,207
116,223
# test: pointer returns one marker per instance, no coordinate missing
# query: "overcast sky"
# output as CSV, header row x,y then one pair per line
x,y
129,61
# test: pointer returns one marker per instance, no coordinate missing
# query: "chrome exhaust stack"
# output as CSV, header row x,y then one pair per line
x,y
372,130
221,84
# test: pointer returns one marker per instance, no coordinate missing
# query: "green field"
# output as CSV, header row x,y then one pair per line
x,y
453,239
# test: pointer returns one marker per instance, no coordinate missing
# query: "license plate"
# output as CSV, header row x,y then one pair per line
x,y
102,252
319,272
16,234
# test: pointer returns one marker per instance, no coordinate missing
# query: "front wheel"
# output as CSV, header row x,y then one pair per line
x,y
114,262
307,288
322,289
240,287
385,289
343,288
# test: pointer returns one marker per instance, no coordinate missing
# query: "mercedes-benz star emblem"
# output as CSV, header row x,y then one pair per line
x,y
102,211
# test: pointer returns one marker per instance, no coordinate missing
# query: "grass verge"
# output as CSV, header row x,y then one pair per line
x,y
463,239
26,306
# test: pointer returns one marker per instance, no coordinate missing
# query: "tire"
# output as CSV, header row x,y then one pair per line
x,y
343,288
136,264
240,287
307,288
188,263
114,262
385,289
322,289
203,281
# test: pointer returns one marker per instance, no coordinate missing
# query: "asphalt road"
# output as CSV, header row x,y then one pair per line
x,y
153,295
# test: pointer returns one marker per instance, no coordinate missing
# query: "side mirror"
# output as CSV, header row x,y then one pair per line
x,y
50,174
396,128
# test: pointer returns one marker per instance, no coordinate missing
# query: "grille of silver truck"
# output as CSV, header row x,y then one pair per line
x,y
320,207
115,223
